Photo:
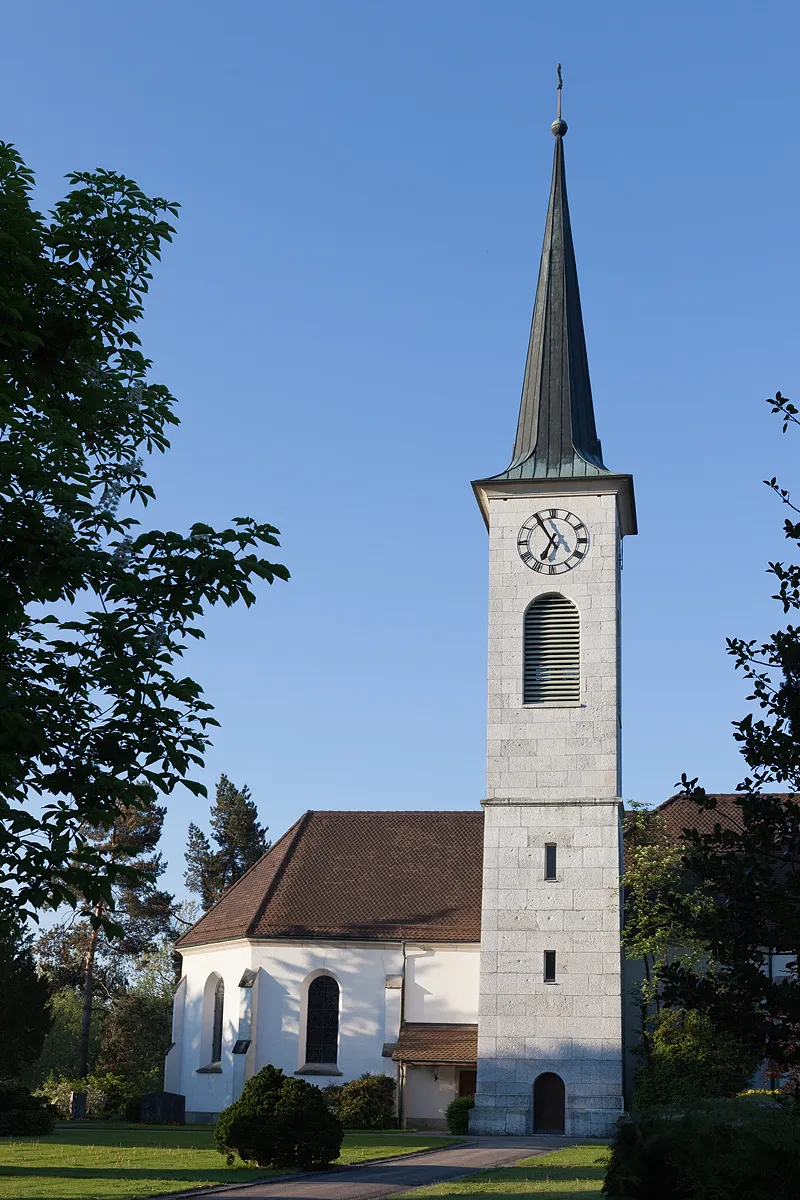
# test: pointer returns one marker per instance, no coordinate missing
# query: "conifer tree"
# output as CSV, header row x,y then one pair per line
x,y
97,948
240,839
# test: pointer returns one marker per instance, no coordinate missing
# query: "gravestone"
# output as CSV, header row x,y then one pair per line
x,y
163,1108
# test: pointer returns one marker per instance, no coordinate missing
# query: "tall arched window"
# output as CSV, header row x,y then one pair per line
x,y
216,1028
322,1020
551,671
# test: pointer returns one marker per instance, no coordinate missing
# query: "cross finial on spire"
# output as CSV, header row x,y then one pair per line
x,y
559,127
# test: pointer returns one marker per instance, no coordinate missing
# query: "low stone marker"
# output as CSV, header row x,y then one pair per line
x,y
163,1108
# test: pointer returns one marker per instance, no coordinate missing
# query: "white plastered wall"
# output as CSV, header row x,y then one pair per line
x,y
441,986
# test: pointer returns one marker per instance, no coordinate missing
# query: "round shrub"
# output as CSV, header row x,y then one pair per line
x,y
457,1114
279,1122
366,1103
21,1113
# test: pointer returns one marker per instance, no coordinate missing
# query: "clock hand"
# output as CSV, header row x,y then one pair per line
x,y
552,542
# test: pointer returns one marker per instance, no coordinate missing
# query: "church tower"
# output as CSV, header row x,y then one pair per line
x,y
550,1051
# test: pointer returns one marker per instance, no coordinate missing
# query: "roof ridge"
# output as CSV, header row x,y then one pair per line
x,y
299,828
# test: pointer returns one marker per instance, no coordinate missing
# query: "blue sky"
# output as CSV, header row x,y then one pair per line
x,y
344,316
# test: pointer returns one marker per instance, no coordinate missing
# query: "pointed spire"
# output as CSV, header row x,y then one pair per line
x,y
556,435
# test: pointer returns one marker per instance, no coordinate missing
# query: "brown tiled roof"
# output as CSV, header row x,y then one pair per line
x,y
377,875
681,813
382,876
437,1044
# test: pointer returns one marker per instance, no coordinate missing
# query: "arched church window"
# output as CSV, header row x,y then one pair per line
x,y
216,1028
322,1020
551,652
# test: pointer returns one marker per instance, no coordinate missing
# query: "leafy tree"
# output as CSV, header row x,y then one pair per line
x,y
25,996
82,951
157,972
688,1059
95,612
240,838
659,904
747,870
59,1054
135,1039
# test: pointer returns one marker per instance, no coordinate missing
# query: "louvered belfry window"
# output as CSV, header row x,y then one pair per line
x,y
552,652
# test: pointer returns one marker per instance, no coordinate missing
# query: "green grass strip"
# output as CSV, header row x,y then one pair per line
x,y
574,1172
108,1162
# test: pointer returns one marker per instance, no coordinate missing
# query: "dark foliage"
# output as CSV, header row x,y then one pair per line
x,y
279,1122
135,1038
24,1000
364,1103
457,1114
94,612
240,839
21,1113
725,1150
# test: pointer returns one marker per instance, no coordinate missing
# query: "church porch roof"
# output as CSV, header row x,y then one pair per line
x,y
436,1043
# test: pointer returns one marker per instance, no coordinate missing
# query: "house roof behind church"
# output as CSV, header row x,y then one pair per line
x,y
361,875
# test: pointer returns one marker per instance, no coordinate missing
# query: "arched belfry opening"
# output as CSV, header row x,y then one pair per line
x,y
548,1104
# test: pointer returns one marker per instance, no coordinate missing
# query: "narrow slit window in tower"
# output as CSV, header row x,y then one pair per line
x,y
550,860
549,966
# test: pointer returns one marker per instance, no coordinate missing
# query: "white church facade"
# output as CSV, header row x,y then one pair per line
x,y
472,952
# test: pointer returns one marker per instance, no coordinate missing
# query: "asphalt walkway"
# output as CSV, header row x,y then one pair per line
x,y
374,1181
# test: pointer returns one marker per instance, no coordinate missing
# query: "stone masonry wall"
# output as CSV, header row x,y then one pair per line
x,y
526,1026
552,776
533,750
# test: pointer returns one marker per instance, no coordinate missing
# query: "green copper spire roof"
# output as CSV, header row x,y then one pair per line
x,y
556,435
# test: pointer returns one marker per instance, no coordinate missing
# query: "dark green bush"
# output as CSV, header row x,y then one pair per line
x,y
21,1113
717,1150
365,1103
457,1114
691,1060
279,1122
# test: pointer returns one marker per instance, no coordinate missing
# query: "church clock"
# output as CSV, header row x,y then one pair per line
x,y
553,541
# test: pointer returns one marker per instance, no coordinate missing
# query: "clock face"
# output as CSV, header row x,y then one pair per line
x,y
553,541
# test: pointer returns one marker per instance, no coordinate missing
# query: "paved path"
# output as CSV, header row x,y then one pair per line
x,y
401,1173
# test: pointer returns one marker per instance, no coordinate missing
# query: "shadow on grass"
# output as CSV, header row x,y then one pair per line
x,y
146,1139
168,1175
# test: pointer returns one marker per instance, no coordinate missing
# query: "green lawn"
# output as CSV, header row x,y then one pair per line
x,y
562,1175
101,1162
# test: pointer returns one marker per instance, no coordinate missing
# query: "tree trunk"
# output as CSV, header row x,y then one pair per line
x,y
88,992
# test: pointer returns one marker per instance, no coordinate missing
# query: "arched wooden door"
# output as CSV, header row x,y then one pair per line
x,y
548,1104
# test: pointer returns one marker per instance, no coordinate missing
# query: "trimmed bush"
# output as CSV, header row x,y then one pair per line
x,y
720,1150
365,1103
691,1060
21,1113
457,1114
279,1122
